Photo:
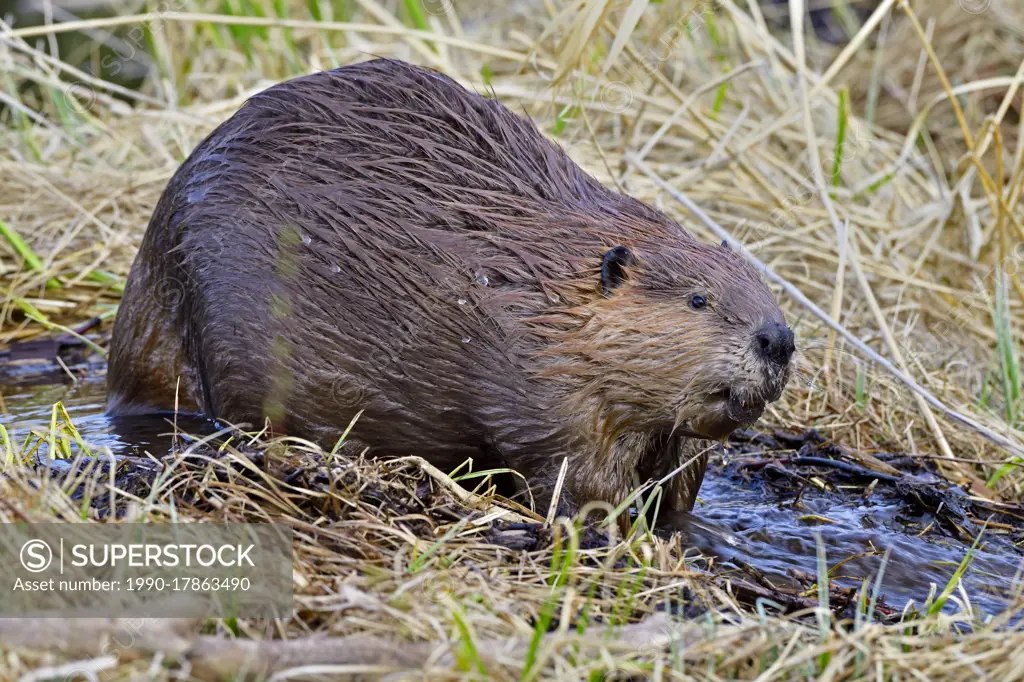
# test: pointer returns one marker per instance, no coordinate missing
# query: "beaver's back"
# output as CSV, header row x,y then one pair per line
x,y
368,238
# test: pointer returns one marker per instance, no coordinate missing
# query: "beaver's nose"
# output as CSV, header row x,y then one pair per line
x,y
774,342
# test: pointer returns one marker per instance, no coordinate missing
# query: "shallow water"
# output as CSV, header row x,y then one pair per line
x,y
744,522
740,520
27,407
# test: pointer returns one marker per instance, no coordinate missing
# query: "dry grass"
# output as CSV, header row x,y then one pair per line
x,y
370,572
914,245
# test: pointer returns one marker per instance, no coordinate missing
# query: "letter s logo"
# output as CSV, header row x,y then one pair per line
x,y
36,556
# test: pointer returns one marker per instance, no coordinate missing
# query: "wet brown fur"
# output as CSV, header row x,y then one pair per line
x,y
377,238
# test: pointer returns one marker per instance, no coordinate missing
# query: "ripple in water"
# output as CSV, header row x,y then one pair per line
x,y
744,522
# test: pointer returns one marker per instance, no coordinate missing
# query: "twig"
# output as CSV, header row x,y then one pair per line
x,y
269,22
470,499
214,658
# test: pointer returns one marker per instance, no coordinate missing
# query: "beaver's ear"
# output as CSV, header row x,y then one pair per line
x,y
613,268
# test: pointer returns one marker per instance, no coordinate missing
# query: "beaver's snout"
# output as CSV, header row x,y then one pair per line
x,y
743,402
774,343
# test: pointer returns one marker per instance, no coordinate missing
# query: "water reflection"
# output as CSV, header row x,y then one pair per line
x,y
28,408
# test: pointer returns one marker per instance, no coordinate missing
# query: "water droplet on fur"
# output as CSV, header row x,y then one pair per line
x,y
482,279
335,268
462,301
307,240
466,339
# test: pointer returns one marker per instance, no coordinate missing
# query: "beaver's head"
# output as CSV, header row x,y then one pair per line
x,y
687,339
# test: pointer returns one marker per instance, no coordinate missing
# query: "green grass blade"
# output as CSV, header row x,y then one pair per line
x,y
885,180
418,18
862,387
51,435
110,280
71,430
22,249
547,613
1007,467
716,108
837,164
824,612
567,114
468,656
32,313
1006,347
877,587
344,434
940,601
22,122
875,82
418,563
5,440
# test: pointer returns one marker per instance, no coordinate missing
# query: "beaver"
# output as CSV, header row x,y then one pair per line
x,y
377,240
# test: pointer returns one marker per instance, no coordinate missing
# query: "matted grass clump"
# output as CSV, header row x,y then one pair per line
x,y
878,179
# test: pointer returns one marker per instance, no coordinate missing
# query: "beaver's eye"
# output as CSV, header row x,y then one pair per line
x,y
698,302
